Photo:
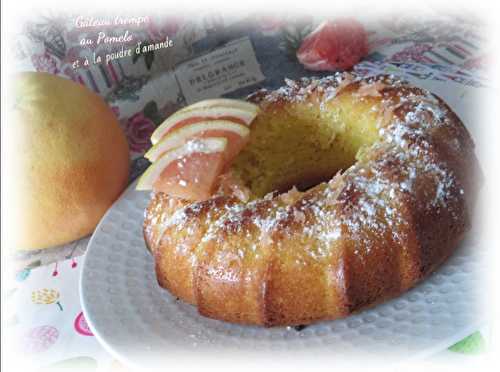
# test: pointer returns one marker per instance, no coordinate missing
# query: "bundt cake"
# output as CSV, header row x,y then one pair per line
x,y
349,191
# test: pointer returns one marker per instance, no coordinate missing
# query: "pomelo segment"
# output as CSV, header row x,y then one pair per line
x,y
182,177
236,134
197,119
194,146
224,102
189,171
225,109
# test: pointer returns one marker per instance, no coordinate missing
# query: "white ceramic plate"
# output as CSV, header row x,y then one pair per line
x,y
142,324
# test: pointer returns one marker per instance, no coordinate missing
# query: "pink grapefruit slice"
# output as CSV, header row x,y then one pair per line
x,y
236,134
214,109
189,172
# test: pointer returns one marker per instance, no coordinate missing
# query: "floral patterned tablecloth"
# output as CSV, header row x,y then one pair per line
x,y
143,90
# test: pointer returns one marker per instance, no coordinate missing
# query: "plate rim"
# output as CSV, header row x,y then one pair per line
x,y
439,345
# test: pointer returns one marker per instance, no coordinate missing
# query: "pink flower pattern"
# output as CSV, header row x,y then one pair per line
x,y
159,30
138,130
45,63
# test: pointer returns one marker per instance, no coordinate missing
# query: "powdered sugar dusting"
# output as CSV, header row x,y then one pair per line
x,y
363,202
301,90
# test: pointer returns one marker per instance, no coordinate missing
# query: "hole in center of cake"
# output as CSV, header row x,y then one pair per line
x,y
303,145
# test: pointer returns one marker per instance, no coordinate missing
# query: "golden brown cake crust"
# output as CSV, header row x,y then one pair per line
x,y
367,235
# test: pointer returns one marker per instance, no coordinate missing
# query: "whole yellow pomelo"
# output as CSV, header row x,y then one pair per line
x,y
68,161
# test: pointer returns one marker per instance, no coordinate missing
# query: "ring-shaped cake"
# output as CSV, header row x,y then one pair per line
x,y
349,192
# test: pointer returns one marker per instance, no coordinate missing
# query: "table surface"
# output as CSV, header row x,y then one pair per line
x,y
440,47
